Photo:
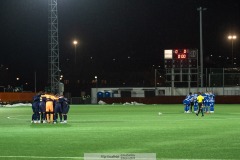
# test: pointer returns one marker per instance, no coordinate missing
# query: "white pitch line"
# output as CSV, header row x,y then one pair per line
x,y
15,117
41,157
191,159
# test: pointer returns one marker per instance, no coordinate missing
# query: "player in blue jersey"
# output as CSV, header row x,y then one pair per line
x,y
206,102
65,109
58,109
35,109
191,96
195,102
188,103
42,109
211,102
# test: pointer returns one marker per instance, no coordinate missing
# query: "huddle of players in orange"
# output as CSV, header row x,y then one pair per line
x,y
47,107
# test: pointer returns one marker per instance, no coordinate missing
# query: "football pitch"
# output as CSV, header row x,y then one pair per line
x,y
171,134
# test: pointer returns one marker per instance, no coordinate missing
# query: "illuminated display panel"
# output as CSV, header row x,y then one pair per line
x,y
168,54
180,53
181,58
192,54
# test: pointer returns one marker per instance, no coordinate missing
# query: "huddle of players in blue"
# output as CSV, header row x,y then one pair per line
x,y
190,102
42,113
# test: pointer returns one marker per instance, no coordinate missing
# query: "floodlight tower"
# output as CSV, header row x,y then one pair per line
x,y
200,9
53,50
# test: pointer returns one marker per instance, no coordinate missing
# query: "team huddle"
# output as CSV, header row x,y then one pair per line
x,y
203,102
48,107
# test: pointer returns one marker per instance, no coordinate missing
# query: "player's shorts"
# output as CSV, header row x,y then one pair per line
x,y
35,106
65,110
49,106
186,102
42,108
58,108
200,105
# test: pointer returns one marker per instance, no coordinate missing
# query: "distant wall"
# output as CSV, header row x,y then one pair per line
x,y
12,97
169,100
151,92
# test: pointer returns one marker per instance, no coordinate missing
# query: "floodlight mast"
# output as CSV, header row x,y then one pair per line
x,y
53,50
200,9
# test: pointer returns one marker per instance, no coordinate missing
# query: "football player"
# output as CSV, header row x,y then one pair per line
x,y
49,106
65,109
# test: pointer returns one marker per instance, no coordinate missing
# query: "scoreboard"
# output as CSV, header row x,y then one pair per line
x,y
181,58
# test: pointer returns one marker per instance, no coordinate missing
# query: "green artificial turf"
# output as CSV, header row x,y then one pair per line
x,y
122,129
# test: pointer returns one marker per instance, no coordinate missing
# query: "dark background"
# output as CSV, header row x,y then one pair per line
x,y
120,41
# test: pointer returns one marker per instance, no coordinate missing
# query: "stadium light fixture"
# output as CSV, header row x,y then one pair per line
x,y
96,82
200,9
75,43
95,79
232,38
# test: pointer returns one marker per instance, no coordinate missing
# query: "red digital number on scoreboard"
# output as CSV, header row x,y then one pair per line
x,y
180,53
182,56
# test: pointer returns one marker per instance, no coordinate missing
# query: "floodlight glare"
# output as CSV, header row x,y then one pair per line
x,y
75,42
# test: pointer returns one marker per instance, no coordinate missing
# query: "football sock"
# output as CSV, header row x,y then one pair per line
x,y
51,116
60,116
47,116
38,115
65,117
43,116
55,117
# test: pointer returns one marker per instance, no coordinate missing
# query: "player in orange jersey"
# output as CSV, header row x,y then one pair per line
x,y
49,106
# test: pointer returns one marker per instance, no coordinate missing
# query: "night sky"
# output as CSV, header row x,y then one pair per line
x,y
116,37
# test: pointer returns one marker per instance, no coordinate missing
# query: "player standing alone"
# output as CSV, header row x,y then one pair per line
x,y
200,99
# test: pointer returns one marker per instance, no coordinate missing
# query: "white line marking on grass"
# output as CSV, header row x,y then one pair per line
x,y
11,118
41,157
190,159
17,117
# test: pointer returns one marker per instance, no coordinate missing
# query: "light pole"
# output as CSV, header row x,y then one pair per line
x,y
17,88
75,42
232,38
200,9
35,82
96,88
96,82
